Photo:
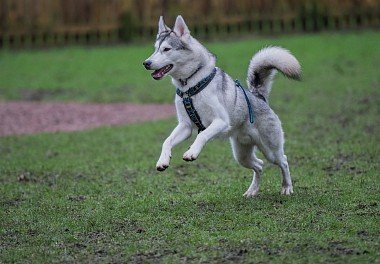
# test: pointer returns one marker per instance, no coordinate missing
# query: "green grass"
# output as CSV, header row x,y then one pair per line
x,y
116,74
95,195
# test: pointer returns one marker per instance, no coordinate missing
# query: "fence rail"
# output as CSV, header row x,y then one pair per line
x,y
29,23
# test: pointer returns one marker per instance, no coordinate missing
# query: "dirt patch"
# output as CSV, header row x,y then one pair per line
x,y
35,117
79,198
337,248
12,202
337,163
39,94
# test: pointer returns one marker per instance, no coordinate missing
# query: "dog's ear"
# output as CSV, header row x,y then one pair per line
x,y
161,26
180,28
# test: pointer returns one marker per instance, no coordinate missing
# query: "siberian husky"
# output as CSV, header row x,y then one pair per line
x,y
223,106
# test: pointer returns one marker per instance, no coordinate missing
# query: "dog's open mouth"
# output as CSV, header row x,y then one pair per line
x,y
158,74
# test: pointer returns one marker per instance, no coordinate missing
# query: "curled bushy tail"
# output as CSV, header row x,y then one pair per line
x,y
264,65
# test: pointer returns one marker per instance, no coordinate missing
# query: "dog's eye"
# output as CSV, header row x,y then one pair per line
x,y
167,49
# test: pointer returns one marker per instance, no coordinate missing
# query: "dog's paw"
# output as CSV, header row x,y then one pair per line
x,y
287,190
251,192
162,167
190,155
162,164
259,161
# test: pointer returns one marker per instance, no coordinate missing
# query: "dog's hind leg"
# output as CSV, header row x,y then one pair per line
x,y
287,186
277,156
244,154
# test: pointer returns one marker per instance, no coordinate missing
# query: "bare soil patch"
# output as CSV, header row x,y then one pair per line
x,y
36,117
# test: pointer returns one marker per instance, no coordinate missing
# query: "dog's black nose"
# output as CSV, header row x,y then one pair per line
x,y
147,64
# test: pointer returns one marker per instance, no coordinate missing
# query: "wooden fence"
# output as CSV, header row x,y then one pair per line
x,y
29,23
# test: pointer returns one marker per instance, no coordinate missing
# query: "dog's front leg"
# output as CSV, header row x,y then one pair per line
x,y
215,128
179,134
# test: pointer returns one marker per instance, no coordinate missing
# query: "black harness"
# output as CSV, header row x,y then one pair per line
x,y
193,114
188,102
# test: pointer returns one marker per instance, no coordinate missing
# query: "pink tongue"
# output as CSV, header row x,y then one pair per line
x,y
158,73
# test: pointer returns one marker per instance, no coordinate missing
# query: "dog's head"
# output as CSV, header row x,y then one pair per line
x,y
172,49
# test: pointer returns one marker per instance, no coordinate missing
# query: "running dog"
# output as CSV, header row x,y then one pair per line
x,y
209,100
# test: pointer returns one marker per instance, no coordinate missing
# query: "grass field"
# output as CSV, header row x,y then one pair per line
x,y
95,196
116,74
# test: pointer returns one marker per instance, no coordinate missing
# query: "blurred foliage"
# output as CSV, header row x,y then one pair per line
x,y
46,15
127,26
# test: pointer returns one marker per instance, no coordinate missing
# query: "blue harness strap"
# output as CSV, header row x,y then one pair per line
x,y
193,114
250,111
188,102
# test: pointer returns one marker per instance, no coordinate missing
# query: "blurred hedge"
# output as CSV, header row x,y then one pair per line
x,y
54,22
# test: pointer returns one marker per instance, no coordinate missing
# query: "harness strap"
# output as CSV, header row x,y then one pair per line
x,y
193,114
198,87
250,111
189,106
188,102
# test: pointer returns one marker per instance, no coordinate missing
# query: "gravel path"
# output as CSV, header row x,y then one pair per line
x,y
35,117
